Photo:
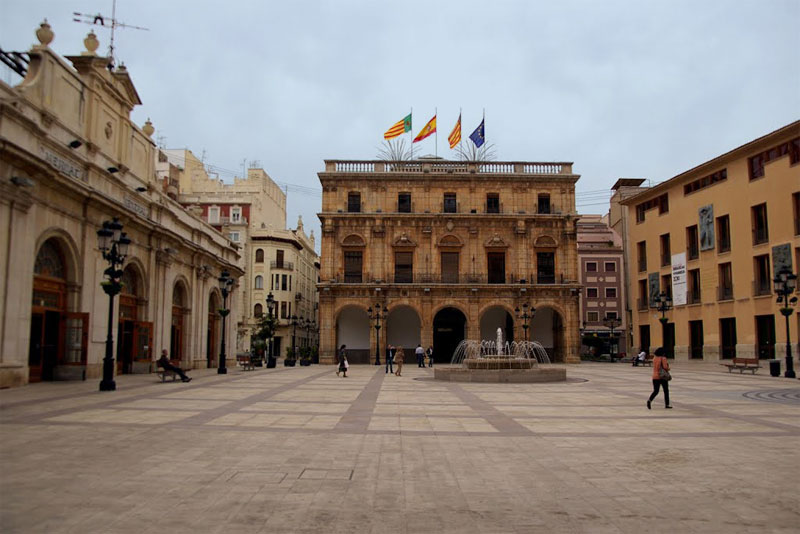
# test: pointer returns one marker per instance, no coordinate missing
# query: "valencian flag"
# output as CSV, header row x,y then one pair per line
x,y
399,128
455,135
479,135
429,129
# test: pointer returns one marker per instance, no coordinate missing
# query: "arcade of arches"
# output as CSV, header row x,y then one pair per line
x,y
406,326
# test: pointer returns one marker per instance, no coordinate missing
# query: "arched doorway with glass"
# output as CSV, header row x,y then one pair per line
x,y
352,329
213,329
135,336
403,329
496,317
547,327
58,337
449,329
178,327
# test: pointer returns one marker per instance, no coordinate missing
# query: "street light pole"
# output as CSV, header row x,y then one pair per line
x,y
526,317
377,316
612,323
785,284
225,286
664,305
294,321
113,243
270,308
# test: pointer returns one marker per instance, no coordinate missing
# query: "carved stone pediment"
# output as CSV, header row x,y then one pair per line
x,y
545,241
404,241
353,240
495,242
450,240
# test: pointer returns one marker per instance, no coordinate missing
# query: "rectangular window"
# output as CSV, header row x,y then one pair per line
x,y
450,267
711,179
234,236
725,280
759,219
591,266
591,292
352,266
290,282
496,262
644,296
284,282
354,202
236,215
757,162
283,310
403,267
592,316
724,234
271,283
450,203
661,202
611,315
213,215
692,243
492,203
611,267
546,268
543,203
611,292
404,203
696,339
666,250
666,284
641,255
727,329
761,276
279,259
796,206
693,293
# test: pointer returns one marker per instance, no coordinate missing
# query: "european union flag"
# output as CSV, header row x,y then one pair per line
x,y
478,136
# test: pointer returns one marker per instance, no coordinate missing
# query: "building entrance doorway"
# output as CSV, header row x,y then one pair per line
x,y
449,329
765,333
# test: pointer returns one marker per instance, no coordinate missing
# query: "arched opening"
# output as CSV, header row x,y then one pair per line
x,y
212,331
177,330
449,329
259,255
259,283
547,327
135,336
49,308
403,329
352,329
494,318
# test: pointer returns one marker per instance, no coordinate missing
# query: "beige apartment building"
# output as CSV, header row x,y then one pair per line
x,y
714,238
70,160
251,212
447,251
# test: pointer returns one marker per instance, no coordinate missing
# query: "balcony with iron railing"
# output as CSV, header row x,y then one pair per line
x,y
642,304
693,296
448,279
286,265
760,235
762,288
642,264
724,293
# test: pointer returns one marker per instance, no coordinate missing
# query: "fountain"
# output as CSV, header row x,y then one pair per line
x,y
496,361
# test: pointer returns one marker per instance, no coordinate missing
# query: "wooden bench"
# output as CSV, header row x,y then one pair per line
x,y
246,362
648,360
743,364
164,373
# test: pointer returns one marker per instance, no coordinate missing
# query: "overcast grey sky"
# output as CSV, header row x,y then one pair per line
x,y
622,88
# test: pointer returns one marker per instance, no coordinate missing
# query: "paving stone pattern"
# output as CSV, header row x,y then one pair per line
x,y
302,450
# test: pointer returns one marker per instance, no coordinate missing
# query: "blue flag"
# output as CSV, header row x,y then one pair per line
x,y
478,136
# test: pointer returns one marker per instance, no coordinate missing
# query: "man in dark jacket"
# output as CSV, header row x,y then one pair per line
x,y
165,363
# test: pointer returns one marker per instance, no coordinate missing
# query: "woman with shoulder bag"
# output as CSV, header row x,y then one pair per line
x,y
661,377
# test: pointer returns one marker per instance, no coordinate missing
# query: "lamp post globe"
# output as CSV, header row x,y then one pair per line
x,y
225,287
271,333
113,245
377,314
664,305
785,285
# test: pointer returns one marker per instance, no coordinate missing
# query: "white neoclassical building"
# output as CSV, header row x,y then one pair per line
x,y
70,159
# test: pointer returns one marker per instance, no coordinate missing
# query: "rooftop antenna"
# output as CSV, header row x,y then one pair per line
x,y
105,22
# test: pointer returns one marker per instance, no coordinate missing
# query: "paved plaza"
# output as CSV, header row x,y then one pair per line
x,y
302,450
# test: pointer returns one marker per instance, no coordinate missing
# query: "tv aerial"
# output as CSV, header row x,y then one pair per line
x,y
106,22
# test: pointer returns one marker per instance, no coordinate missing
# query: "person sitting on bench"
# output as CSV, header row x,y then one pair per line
x,y
165,363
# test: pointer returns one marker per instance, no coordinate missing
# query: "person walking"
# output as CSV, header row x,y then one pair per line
x,y
389,359
398,359
342,361
429,352
660,380
420,352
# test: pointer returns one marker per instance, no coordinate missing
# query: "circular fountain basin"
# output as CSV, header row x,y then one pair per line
x,y
514,375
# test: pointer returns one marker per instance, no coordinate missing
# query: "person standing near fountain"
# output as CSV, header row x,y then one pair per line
x,y
398,359
660,362
429,352
420,352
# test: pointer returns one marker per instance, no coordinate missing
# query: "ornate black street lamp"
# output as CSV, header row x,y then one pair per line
x,y
527,314
785,284
113,243
664,305
225,286
377,315
270,309
295,320
612,323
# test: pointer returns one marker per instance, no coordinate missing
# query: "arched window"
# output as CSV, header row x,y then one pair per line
x,y
259,255
258,310
49,261
259,282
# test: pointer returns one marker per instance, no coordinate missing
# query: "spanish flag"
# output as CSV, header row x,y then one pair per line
x,y
429,129
455,135
399,128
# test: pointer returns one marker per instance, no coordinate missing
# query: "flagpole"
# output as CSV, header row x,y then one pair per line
x,y
411,133
436,148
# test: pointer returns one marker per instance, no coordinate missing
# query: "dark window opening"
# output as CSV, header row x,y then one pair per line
x,y
641,254
450,267
497,267
761,282
543,203
760,230
724,234
693,296
450,204
352,267
727,329
696,339
492,203
545,268
725,288
354,202
692,243
403,267
404,203
666,251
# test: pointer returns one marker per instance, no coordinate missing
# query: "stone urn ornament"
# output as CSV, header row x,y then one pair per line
x,y
91,43
44,33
